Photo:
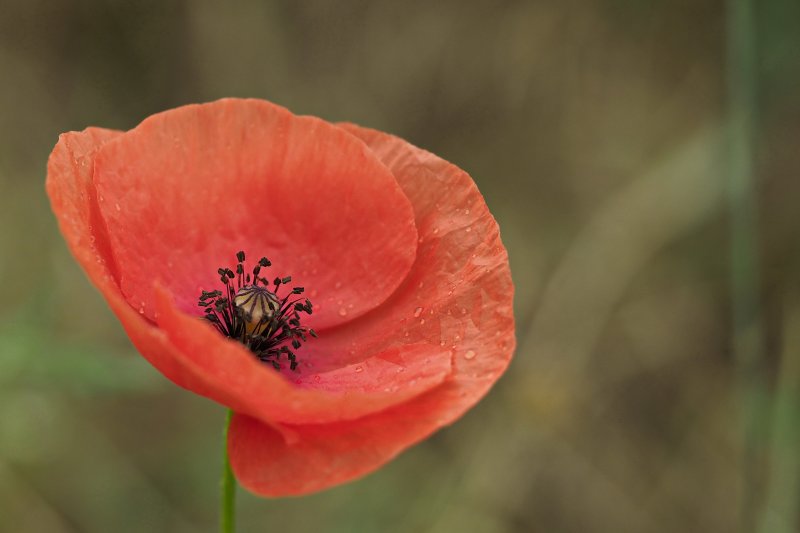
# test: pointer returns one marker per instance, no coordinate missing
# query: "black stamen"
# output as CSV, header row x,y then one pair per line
x,y
257,316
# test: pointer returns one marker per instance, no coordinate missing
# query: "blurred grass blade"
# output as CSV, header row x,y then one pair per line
x,y
748,336
783,493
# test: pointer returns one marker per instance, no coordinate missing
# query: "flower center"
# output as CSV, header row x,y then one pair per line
x,y
255,315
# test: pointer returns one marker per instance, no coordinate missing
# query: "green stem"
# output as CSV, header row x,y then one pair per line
x,y
227,521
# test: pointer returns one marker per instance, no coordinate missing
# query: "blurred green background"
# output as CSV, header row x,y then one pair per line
x,y
596,130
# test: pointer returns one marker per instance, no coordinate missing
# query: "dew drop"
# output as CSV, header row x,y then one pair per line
x,y
317,378
417,312
342,312
117,207
469,354
359,369
469,229
442,343
339,302
338,285
421,321
435,231
421,284
466,211
463,310
401,369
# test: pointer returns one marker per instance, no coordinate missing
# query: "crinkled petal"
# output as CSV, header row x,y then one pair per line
x,y
457,295
239,381
74,202
186,189
196,357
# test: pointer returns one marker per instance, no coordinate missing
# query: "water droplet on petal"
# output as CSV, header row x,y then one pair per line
x,y
417,312
421,283
463,310
421,321
342,312
317,378
469,354
338,285
466,211
359,369
117,207
435,231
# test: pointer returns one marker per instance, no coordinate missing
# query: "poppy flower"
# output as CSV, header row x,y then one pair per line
x,y
395,247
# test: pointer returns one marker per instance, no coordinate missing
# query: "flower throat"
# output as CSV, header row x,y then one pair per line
x,y
255,315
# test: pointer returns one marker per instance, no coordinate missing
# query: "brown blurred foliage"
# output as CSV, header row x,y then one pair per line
x,y
595,130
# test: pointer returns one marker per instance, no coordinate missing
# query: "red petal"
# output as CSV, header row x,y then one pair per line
x,y
73,199
461,275
239,381
186,189
198,358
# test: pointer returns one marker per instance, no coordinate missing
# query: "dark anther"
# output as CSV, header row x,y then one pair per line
x,y
256,315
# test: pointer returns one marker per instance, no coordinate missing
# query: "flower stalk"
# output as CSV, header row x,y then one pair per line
x,y
227,522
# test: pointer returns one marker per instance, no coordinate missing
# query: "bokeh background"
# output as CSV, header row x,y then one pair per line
x,y
596,130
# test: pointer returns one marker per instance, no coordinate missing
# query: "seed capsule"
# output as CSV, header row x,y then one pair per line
x,y
257,305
